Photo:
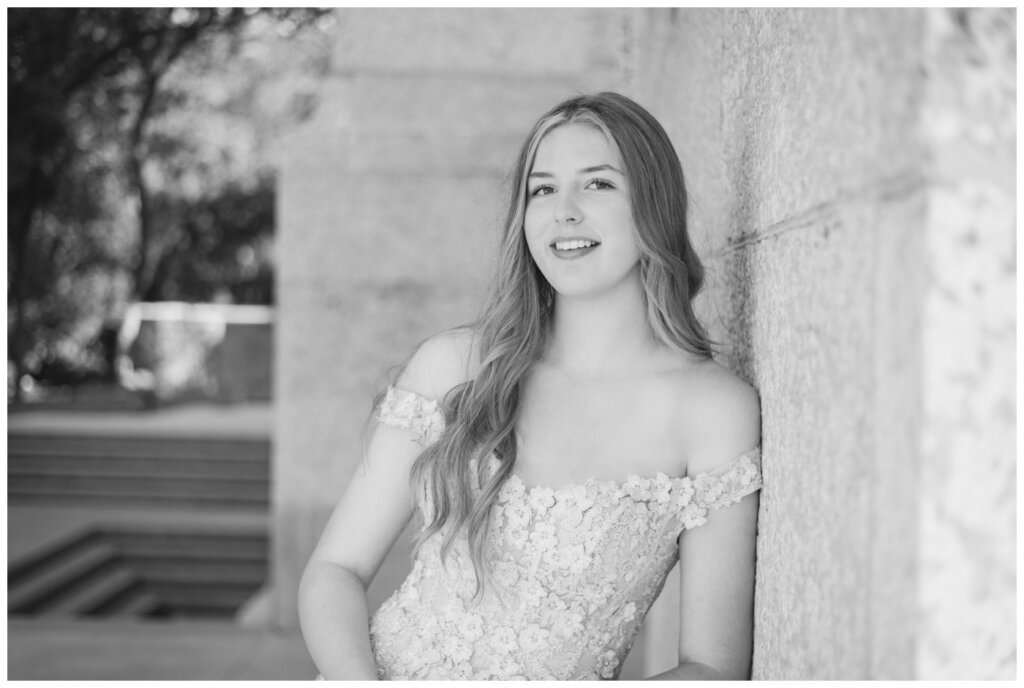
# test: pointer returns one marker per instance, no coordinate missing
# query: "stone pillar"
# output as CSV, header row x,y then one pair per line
x,y
853,178
390,207
797,130
967,485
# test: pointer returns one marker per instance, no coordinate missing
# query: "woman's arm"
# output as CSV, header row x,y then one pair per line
x,y
369,517
716,562
716,559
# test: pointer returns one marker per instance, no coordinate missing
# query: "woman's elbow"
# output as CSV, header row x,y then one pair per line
x,y
314,584
308,586
322,576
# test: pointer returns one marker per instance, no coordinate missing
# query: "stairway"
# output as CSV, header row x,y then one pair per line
x,y
120,572
133,470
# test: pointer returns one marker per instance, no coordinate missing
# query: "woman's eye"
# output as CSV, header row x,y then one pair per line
x,y
599,184
543,190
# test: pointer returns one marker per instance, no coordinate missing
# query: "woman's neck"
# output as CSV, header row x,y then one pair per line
x,y
601,337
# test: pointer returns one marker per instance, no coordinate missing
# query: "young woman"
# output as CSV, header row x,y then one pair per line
x,y
564,451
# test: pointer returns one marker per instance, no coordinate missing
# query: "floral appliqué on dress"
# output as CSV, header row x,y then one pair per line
x,y
573,572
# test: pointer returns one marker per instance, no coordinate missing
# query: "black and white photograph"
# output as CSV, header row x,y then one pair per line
x,y
522,343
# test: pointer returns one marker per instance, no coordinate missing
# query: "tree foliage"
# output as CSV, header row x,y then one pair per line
x,y
139,164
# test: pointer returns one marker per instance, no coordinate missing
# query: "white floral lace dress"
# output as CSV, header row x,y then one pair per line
x,y
574,571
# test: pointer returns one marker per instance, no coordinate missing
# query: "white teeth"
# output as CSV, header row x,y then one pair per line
x,y
574,244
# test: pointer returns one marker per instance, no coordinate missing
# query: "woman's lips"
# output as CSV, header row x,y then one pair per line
x,y
570,248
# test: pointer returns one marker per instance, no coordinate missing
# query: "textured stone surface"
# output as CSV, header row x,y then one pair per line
x,y
967,549
815,376
899,283
402,125
775,112
796,129
510,43
805,126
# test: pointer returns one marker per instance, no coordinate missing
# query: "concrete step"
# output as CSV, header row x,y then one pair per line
x,y
28,566
201,573
117,486
139,603
90,593
110,499
191,545
133,600
145,446
227,598
136,469
157,467
34,585
115,572
153,472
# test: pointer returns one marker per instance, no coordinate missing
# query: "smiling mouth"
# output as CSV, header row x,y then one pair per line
x,y
567,245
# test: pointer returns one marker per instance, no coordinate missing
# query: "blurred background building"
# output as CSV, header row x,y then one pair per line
x,y
337,179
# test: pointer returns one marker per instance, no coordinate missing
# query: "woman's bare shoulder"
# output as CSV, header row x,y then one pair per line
x,y
719,413
441,362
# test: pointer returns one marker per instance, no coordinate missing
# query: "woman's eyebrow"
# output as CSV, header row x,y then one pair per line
x,y
585,170
599,168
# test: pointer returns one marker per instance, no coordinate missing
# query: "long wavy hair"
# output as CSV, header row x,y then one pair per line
x,y
511,333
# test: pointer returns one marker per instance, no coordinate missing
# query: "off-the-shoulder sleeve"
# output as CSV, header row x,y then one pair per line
x,y
409,411
719,489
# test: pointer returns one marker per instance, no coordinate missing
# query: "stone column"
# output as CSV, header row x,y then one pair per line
x,y
797,129
967,484
390,207
853,178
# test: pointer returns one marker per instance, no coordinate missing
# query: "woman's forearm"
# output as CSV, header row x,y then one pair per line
x,y
335,622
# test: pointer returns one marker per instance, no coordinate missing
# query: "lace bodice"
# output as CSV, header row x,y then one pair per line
x,y
574,571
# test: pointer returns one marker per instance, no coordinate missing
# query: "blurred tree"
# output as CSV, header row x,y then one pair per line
x,y
112,170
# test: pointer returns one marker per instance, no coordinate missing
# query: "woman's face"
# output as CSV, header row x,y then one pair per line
x,y
579,220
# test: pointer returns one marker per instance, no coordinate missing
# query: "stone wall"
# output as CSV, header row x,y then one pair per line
x,y
853,177
842,164
797,131
968,481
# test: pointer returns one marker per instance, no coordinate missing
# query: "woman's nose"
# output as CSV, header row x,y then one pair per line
x,y
567,209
